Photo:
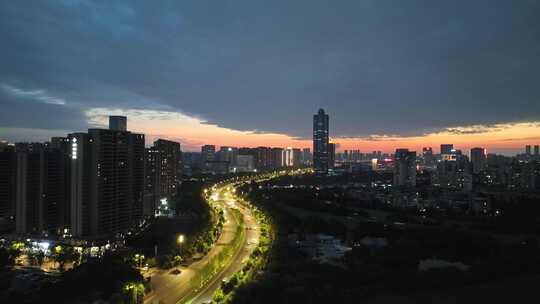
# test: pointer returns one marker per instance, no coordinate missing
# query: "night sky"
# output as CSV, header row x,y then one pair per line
x,y
389,73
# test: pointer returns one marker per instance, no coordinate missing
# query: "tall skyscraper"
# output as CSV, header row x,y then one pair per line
x,y
528,149
536,150
320,142
478,159
405,168
118,123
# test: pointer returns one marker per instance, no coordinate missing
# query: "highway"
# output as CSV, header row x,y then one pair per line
x,y
169,288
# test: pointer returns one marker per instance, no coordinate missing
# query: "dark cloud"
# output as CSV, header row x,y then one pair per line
x,y
37,110
477,129
378,67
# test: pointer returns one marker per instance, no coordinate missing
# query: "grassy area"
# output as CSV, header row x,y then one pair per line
x,y
218,262
257,262
200,231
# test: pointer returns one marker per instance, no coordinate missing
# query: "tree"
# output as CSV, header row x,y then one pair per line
x,y
64,255
134,292
7,259
35,258
164,261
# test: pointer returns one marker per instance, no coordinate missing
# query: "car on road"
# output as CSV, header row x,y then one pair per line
x,y
176,271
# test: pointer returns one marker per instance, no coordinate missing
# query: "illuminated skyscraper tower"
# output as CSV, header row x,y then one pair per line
x,y
320,142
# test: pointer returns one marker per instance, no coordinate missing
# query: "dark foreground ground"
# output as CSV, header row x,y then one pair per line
x,y
514,290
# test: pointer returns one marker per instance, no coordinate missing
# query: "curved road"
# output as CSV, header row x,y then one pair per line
x,y
168,288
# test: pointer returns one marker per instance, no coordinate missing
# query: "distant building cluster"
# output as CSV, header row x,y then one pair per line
x,y
235,160
451,168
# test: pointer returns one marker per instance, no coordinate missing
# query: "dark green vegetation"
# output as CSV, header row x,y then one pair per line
x,y
200,224
518,208
369,271
255,266
224,257
8,254
110,278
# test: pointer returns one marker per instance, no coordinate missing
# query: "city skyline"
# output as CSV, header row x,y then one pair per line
x,y
251,151
392,76
505,142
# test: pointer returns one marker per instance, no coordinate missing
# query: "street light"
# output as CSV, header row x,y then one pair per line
x,y
180,241
139,259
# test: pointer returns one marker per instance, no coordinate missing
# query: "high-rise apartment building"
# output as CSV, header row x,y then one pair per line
x,y
244,163
107,181
163,167
478,159
297,157
208,155
331,155
41,179
262,158
79,187
228,154
320,142
454,174
288,160
170,166
277,158
307,157
427,156
405,168
8,167
116,180
118,123
151,181
84,185
447,149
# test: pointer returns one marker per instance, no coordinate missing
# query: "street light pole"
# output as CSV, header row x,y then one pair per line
x,y
180,241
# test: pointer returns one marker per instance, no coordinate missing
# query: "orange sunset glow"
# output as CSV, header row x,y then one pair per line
x,y
194,132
